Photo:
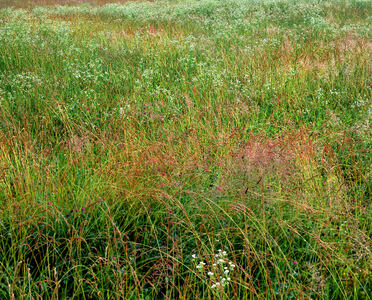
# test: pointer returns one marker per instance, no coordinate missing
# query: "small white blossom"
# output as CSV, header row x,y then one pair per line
x,y
210,273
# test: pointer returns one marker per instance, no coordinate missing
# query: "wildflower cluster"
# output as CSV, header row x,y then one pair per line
x,y
220,271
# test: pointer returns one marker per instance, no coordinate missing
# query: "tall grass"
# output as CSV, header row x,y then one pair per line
x,y
138,140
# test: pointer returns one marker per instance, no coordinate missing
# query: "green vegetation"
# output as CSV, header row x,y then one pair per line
x,y
185,150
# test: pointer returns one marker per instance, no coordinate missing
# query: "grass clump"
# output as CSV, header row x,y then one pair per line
x,y
198,149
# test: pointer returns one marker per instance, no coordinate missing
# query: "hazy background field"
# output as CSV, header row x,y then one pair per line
x,y
35,3
185,149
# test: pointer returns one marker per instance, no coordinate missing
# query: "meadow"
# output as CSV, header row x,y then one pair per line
x,y
185,149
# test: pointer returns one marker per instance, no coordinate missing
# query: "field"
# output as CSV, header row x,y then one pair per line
x,y
185,149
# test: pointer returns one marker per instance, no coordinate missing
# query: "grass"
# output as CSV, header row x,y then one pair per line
x,y
139,139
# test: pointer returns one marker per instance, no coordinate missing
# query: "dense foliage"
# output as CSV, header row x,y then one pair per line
x,y
185,149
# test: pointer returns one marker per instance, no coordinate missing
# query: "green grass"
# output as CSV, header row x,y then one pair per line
x,y
138,139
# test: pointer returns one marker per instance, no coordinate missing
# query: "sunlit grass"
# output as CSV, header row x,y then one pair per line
x,y
139,139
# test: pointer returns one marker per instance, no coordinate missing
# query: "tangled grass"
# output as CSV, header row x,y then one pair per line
x,y
148,147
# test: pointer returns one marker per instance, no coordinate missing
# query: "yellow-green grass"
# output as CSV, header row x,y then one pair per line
x,y
138,139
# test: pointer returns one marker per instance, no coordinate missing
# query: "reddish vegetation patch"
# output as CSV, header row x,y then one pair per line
x,y
153,30
277,155
261,152
352,43
77,144
158,155
131,31
342,47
